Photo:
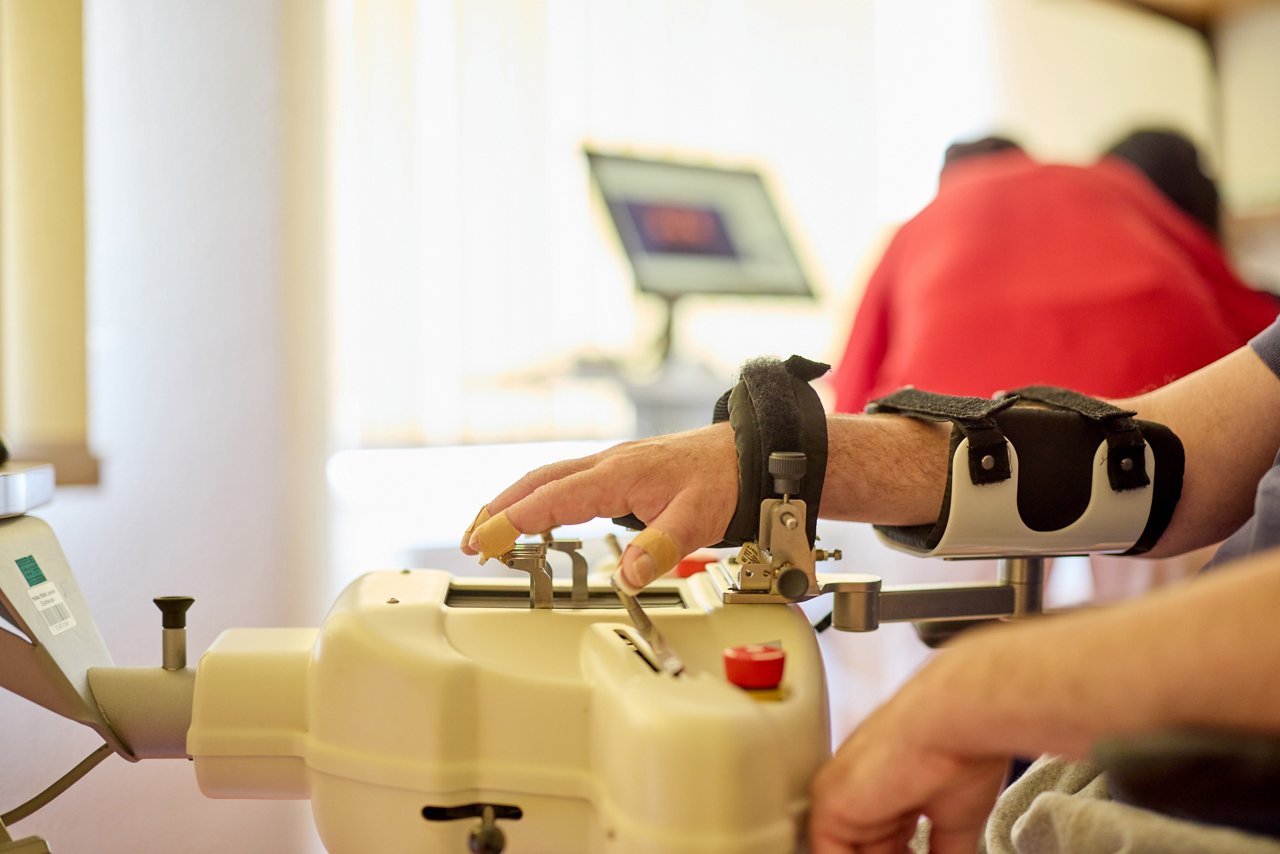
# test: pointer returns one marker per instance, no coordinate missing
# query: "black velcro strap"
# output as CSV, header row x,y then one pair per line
x,y
772,408
1126,448
973,416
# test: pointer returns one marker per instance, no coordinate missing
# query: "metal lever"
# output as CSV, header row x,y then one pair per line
x,y
579,595
532,558
668,660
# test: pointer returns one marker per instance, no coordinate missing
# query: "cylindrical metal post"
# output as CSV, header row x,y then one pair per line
x,y
1026,576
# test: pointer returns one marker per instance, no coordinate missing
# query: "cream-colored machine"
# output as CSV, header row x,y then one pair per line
x,y
424,700
434,714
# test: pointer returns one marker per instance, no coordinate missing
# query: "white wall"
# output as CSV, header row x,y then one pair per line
x,y
186,390
1064,77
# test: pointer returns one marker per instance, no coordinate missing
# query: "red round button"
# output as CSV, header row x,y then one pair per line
x,y
693,564
754,665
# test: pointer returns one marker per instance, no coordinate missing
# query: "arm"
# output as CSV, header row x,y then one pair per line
x,y
880,468
892,470
1226,416
1203,654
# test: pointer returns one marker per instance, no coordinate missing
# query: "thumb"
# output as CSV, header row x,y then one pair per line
x,y
659,547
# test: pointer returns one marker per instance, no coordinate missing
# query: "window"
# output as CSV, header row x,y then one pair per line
x,y
43,388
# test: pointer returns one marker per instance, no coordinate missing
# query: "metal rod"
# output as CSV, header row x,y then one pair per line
x,y
1025,576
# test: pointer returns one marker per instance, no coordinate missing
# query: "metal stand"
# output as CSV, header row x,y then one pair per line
x,y
861,604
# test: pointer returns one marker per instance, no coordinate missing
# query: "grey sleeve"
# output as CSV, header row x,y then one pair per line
x,y
1267,345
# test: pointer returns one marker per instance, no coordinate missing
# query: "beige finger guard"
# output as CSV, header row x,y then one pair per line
x,y
481,518
494,537
659,546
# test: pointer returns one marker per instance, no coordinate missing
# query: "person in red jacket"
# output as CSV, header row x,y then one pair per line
x,y
1108,278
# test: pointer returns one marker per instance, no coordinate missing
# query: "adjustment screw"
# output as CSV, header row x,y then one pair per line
x,y
787,468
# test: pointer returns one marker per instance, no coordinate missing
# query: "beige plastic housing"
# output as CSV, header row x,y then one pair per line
x,y
400,701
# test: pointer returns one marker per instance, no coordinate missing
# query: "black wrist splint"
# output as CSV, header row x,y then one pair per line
x,y
1031,478
772,408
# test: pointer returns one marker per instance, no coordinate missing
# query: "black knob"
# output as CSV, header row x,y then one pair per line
x,y
174,609
787,470
793,583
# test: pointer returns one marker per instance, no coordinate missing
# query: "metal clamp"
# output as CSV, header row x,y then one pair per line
x,y
532,558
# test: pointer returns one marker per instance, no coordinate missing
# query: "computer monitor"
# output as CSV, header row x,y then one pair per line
x,y
690,229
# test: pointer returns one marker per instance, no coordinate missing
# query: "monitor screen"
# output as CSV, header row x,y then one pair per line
x,y
691,229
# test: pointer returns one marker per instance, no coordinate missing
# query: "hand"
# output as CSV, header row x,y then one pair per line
x,y
870,796
684,485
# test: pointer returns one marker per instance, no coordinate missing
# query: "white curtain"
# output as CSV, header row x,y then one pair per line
x,y
473,266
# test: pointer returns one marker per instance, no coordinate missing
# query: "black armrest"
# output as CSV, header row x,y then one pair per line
x,y
1221,778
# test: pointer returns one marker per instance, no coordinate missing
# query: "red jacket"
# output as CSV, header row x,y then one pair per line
x,y
1021,273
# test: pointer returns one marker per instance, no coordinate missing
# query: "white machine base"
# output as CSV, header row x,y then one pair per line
x,y
421,690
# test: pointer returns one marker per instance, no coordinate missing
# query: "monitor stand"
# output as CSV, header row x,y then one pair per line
x,y
683,392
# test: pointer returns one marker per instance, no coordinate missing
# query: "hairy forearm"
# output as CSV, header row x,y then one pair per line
x,y
1203,654
885,469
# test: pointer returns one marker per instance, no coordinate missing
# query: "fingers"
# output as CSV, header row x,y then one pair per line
x,y
652,553
538,478
569,500
683,486
672,534
518,491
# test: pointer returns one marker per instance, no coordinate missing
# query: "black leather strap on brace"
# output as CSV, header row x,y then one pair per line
x,y
772,408
973,416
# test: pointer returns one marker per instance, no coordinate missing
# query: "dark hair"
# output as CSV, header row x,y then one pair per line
x,y
1172,163
975,148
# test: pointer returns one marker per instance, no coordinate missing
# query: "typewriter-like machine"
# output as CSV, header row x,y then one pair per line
x,y
529,714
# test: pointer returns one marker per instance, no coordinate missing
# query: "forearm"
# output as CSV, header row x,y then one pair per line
x,y
885,469
1224,415
1203,654
892,470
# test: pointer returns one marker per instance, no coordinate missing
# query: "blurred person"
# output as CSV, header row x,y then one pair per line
x,y
1109,278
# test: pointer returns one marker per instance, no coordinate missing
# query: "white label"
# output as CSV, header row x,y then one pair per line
x,y
48,601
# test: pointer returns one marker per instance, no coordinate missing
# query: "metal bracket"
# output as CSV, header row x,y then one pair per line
x,y
861,604
532,558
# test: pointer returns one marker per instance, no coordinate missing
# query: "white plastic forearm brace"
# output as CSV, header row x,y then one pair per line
x,y
1043,471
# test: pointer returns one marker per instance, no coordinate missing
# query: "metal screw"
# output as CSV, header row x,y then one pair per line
x,y
1126,464
988,462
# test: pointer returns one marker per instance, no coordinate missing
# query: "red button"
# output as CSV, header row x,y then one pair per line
x,y
754,665
694,564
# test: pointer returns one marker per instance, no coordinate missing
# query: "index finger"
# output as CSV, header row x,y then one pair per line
x,y
521,489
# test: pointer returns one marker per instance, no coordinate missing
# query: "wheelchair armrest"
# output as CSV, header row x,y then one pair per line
x,y
1214,777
